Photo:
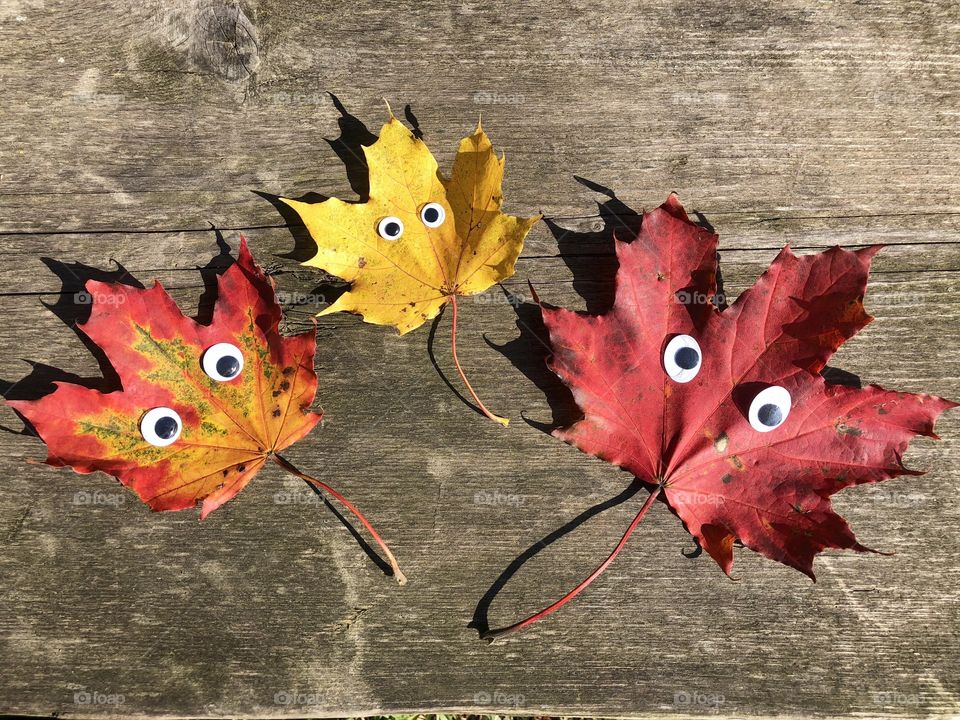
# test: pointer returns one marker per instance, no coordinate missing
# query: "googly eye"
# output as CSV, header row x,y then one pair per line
x,y
222,362
390,228
769,409
682,358
433,215
161,426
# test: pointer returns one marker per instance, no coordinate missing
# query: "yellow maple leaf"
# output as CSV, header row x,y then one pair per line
x,y
421,238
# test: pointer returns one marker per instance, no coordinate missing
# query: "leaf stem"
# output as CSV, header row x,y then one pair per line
x,y
492,635
320,485
456,361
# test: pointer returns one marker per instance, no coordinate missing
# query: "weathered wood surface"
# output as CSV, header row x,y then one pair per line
x,y
128,129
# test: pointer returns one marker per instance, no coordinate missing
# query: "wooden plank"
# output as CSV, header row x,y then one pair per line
x,y
126,130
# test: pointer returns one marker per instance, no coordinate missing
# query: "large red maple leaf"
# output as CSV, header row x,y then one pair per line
x,y
724,411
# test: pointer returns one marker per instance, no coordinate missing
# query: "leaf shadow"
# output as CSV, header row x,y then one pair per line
x,y
360,540
431,340
720,299
209,274
330,287
72,307
528,353
589,254
354,136
836,376
304,246
481,621
414,122
590,257
348,147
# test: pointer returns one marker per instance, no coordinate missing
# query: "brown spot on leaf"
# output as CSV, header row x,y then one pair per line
x,y
660,277
727,479
362,262
241,468
285,385
288,371
844,429
720,444
276,412
736,462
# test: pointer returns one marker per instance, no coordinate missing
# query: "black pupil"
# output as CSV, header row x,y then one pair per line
x,y
687,358
228,366
431,215
392,229
166,427
770,415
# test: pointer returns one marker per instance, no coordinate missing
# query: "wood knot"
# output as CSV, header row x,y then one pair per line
x,y
224,40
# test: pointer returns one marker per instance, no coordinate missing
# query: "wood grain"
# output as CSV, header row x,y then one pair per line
x,y
129,130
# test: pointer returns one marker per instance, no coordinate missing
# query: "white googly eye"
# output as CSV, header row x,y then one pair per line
x,y
682,358
433,215
161,426
390,228
769,409
222,362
